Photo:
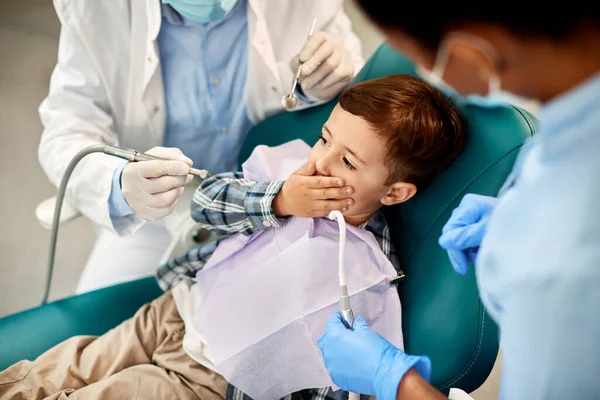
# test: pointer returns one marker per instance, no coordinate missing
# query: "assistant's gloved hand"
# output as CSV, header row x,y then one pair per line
x,y
151,188
463,233
362,361
327,66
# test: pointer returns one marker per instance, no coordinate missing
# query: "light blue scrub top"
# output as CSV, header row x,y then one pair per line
x,y
538,269
204,68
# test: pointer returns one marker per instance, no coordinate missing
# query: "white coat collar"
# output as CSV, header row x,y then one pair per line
x,y
154,19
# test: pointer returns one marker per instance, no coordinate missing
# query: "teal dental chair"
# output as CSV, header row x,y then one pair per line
x,y
443,316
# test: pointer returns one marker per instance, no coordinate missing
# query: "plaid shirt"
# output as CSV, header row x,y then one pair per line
x,y
227,204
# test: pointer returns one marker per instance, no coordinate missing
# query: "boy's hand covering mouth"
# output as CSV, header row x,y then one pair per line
x,y
306,194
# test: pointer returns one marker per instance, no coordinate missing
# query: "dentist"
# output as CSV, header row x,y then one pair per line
x,y
174,77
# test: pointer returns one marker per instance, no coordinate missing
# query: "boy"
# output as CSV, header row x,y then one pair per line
x,y
386,139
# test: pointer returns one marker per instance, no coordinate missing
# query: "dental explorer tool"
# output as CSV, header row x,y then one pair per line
x,y
290,100
127,154
345,310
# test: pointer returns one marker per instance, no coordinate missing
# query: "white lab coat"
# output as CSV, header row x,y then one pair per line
x,y
107,85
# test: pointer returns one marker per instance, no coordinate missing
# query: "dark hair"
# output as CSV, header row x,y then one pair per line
x,y
423,128
429,23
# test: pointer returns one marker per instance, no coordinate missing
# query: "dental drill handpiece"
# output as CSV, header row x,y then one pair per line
x,y
135,156
345,310
127,154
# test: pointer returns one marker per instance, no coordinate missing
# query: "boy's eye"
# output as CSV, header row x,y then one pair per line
x,y
322,139
349,164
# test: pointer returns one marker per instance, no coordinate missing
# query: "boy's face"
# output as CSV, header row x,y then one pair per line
x,y
350,149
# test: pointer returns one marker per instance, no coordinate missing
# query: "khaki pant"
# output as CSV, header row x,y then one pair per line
x,y
142,358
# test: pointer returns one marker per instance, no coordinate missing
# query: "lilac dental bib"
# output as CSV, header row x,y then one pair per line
x,y
266,298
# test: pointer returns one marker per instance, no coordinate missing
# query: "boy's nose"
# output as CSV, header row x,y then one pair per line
x,y
322,166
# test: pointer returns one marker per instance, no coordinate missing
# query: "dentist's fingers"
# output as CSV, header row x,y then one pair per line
x,y
324,71
342,74
156,169
154,213
312,45
459,261
164,183
464,237
165,199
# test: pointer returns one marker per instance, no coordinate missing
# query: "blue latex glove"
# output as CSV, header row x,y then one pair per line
x,y
463,233
362,361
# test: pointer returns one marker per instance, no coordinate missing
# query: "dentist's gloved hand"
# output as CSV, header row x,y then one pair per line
x,y
463,233
151,188
327,66
362,361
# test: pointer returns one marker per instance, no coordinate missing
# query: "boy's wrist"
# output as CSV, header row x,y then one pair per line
x,y
279,207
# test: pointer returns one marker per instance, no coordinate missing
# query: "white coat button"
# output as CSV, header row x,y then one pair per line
x,y
266,223
216,81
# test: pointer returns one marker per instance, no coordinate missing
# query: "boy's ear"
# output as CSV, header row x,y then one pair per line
x,y
399,192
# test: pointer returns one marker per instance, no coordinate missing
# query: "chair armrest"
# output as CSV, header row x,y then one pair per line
x,y
45,212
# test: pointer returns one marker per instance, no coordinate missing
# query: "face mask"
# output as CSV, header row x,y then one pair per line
x,y
495,96
202,11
